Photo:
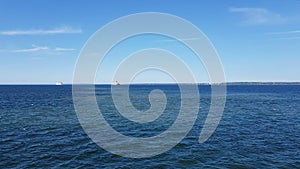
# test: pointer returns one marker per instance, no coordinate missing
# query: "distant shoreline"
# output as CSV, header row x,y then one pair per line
x,y
227,83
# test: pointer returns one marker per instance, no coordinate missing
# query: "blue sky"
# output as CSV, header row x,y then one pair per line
x,y
256,40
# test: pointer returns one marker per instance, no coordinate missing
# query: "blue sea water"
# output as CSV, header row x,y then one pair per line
x,y
260,128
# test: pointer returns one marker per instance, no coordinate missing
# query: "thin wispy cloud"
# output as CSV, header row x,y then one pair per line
x,y
286,35
61,30
42,48
29,50
259,16
285,32
64,49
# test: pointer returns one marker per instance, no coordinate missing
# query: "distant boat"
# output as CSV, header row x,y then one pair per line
x,y
59,83
116,83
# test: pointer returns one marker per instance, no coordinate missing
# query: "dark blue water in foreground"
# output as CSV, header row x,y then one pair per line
x,y
260,128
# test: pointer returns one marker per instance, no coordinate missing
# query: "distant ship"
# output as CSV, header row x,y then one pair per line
x,y
59,83
116,83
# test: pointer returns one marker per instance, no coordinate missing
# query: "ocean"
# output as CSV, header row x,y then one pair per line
x,y
260,128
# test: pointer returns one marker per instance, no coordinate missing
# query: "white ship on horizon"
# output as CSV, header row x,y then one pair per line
x,y
59,83
116,83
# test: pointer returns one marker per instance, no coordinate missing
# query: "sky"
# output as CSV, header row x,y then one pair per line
x,y
40,41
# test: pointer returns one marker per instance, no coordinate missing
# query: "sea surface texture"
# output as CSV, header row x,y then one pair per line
x,y
260,128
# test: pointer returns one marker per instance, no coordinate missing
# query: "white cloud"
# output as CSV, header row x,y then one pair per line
x,y
64,49
42,48
285,32
34,49
61,30
286,35
259,16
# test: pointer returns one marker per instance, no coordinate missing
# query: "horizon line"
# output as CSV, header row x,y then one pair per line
x,y
165,83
